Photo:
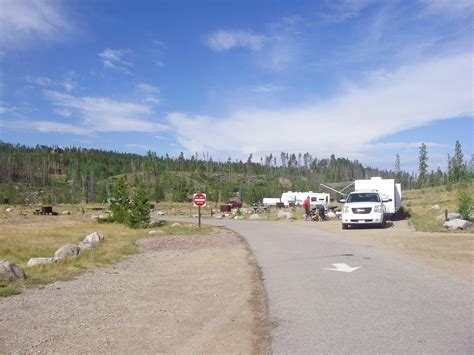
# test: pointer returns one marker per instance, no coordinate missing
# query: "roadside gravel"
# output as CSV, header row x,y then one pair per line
x,y
191,294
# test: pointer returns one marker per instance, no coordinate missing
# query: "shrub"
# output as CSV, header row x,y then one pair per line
x,y
464,203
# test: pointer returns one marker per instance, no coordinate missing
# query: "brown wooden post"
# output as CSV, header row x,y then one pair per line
x,y
445,215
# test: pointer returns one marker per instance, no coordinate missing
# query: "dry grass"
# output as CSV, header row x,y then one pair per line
x,y
420,203
24,237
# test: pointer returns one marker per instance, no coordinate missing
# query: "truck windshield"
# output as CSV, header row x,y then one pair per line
x,y
363,197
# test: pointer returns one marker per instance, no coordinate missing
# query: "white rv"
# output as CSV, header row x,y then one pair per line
x,y
387,189
316,198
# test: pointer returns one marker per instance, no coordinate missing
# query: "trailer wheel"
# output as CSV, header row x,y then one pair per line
x,y
345,226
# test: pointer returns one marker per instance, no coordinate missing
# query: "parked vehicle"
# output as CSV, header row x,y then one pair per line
x,y
364,207
297,198
387,189
234,204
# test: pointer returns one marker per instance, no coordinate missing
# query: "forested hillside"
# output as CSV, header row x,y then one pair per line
x,y
72,175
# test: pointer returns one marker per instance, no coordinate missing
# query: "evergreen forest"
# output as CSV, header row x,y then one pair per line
x,y
52,175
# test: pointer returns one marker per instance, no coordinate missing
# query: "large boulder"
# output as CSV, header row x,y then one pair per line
x,y
254,216
94,238
10,272
453,215
67,251
284,214
457,224
86,245
41,261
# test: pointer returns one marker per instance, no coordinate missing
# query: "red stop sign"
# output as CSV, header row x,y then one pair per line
x,y
199,200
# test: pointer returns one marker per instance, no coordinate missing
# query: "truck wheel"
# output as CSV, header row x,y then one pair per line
x,y
345,226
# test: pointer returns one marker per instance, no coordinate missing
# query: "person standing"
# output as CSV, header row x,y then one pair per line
x,y
307,209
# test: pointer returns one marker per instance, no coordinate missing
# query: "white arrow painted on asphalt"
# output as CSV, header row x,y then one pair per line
x,y
343,267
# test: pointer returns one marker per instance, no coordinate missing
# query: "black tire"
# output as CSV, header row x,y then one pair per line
x,y
345,226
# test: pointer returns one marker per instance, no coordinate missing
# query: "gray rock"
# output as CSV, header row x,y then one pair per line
x,y
87,245
254,216
66,212
94,238
67,251
175,225
453,215
435,207
156,232
457,224
41,261
9,210
217,216
10,272
284,214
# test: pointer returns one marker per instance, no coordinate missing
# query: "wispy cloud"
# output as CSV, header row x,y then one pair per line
x,y
45,126
99,114
381,105
43,81
24,21
116,59
341,10
452,9
224,40
265,88
66,83
150,94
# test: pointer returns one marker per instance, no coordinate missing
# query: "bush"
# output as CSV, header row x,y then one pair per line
x,y
464,203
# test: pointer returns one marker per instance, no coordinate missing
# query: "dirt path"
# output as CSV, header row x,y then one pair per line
x,y
181,295
452,253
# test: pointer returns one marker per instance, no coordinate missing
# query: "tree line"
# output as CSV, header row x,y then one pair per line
x,y
72,175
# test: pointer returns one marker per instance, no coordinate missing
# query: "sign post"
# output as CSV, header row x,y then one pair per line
x,y
199,200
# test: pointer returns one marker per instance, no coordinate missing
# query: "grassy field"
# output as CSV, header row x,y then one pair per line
x,y
25,237
421,205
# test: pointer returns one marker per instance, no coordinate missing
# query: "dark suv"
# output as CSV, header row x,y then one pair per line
x,y
234,204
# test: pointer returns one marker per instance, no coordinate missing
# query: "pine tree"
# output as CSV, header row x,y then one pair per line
x,y
120,201
398,173
458,166
139,209
423,165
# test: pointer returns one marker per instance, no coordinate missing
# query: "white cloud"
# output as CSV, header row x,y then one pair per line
x,y
67,83
266,88
116,59
99,114
385,104
225,40
44,126
43,81
150,94
63,112
23,21
449,8
341,10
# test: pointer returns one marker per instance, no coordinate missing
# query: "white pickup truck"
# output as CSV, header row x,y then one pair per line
x,y
364,207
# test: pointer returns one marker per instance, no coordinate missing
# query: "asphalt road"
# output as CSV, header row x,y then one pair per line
x,y
388,305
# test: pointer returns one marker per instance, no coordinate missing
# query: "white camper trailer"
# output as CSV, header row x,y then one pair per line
x,y
316,198
387,189
270,201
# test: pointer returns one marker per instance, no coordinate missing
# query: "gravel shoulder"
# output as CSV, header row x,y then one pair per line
x,y
182,294
451,253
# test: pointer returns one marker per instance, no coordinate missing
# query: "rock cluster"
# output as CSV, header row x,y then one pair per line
x,y
68,251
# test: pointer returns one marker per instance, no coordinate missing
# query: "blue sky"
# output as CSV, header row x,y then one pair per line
x,y
362,79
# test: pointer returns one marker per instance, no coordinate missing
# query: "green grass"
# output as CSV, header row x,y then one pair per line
x,y
42,236
419,202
